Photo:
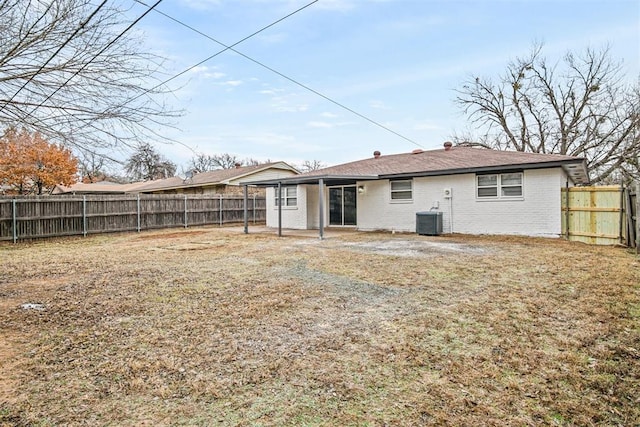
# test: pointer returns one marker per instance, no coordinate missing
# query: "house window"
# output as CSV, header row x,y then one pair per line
x,y
401,190
289,196
498,186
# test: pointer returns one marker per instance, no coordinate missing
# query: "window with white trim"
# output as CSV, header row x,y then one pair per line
x,y
499,186
289,196
401,190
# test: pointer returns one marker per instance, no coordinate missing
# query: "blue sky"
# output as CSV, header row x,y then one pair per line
x,y
397,62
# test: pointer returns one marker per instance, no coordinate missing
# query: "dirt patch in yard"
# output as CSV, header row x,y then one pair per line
x,y
221,328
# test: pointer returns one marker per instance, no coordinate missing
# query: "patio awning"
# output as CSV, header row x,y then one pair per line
x,y
313,179
319,180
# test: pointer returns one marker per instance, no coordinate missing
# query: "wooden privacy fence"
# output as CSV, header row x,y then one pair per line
x,y
53,216
605,215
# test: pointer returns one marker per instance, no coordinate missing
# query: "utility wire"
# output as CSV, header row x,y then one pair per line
x,y
226,48
209,58
150,8
96,55
17,45
292,80
82,25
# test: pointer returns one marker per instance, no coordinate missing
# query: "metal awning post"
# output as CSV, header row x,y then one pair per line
x,y
14,219
321,207
279,199
246,209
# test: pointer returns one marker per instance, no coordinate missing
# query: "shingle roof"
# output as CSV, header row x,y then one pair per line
x,y
100,187
225,175
455,160
217,177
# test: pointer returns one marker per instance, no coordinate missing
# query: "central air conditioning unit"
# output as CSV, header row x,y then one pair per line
x,y
447,193
429,223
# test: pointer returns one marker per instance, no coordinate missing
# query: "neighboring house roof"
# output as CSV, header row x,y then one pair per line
x,y
235,176
102,187
217,177
448,161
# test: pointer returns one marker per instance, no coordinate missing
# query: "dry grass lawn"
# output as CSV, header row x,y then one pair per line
x,y
210,326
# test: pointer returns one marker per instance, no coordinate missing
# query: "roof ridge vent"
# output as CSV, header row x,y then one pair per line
x,y
417,151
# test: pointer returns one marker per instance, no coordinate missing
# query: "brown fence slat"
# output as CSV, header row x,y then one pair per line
x,y
52,216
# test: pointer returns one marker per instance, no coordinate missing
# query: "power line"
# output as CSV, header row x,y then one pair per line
x,y
97,54
30,79
27,33
292,80
226,48
107,46
209,58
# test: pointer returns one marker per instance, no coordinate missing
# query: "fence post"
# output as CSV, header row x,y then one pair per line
x,y
14,215
84,216
638,217
567,215
623,238
185,211
220,216
254,209
138,204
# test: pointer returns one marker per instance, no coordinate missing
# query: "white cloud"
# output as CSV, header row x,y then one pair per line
x,y
426,126
336,5
199,69
207,73
316,124
378,104
284,108
202,4
329,115
273,38
268,92
232,83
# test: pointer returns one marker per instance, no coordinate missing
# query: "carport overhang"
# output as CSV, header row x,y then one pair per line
x,y
319,180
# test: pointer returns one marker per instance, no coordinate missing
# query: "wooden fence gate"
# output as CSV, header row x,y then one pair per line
x,y
605,215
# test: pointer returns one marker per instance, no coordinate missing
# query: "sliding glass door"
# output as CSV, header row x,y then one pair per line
x,y
342,205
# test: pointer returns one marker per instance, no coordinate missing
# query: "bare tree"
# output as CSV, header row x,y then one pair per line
x,y
147,164
253,162
202,163
205,162
226,160
93,167
311,165
581,108
71,72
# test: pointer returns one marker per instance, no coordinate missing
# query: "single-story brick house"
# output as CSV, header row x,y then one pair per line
x,y
477,191
221,181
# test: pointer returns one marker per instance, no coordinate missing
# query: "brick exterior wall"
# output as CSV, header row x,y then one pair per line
x,y
537,213
292,217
